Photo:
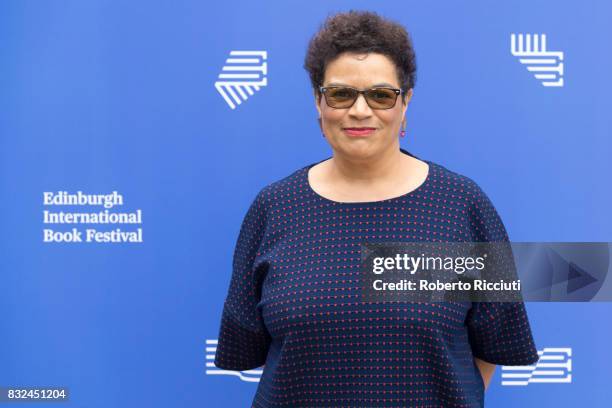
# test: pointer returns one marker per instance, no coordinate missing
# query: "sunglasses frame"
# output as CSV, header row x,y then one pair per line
x,y
323,89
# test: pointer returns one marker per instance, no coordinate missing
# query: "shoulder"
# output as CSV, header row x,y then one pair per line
x,y
483,219
458,185
282,190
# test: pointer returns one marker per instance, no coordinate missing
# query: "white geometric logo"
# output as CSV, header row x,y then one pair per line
x,y
212,369
243,71
554,366
547,65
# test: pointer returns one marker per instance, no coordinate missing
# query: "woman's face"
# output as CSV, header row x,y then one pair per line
x,y
362,71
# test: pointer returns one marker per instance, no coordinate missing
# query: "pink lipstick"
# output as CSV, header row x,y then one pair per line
x,y
359,131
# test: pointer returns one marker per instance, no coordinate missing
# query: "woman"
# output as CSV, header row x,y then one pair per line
x,y
294,300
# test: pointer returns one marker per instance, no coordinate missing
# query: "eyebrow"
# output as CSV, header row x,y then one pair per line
x,y
375,85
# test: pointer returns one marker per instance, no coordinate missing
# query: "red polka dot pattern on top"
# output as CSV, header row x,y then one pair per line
x,y
294,301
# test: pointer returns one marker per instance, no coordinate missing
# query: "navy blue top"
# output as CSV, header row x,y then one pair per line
x,y
294,301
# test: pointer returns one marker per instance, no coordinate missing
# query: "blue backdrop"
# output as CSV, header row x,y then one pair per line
x,y
114,95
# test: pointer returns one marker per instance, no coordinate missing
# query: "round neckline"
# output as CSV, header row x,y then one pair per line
x,y
420,187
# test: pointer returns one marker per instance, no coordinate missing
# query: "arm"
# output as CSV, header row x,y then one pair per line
x,y
486,370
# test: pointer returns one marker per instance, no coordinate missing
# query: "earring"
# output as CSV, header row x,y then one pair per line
x,y
321,126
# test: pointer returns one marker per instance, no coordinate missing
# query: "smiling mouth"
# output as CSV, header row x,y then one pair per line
x,y
359,131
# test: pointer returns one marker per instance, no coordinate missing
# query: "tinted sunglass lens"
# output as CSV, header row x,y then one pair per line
x,y
340,97
381,98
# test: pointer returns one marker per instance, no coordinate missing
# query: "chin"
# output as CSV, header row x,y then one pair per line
x,y
358,148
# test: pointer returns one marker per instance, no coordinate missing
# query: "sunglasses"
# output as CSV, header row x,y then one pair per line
x,y
342,97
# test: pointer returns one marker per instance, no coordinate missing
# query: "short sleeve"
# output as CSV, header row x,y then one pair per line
x,y
498,332
243,340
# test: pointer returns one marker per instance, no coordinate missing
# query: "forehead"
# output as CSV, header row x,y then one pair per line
x,y
361,70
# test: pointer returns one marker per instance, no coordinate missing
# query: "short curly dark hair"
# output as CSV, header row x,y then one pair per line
x,y
360,32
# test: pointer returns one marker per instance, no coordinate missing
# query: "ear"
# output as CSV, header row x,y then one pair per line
x,y
317,97
408,97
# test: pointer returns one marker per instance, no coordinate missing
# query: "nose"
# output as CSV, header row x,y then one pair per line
x,y
360,108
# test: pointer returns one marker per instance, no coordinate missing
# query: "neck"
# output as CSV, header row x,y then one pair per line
x,y
386,164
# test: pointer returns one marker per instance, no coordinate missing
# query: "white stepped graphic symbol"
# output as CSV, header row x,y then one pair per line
x,y
554,366
531,50
212,369
243,73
